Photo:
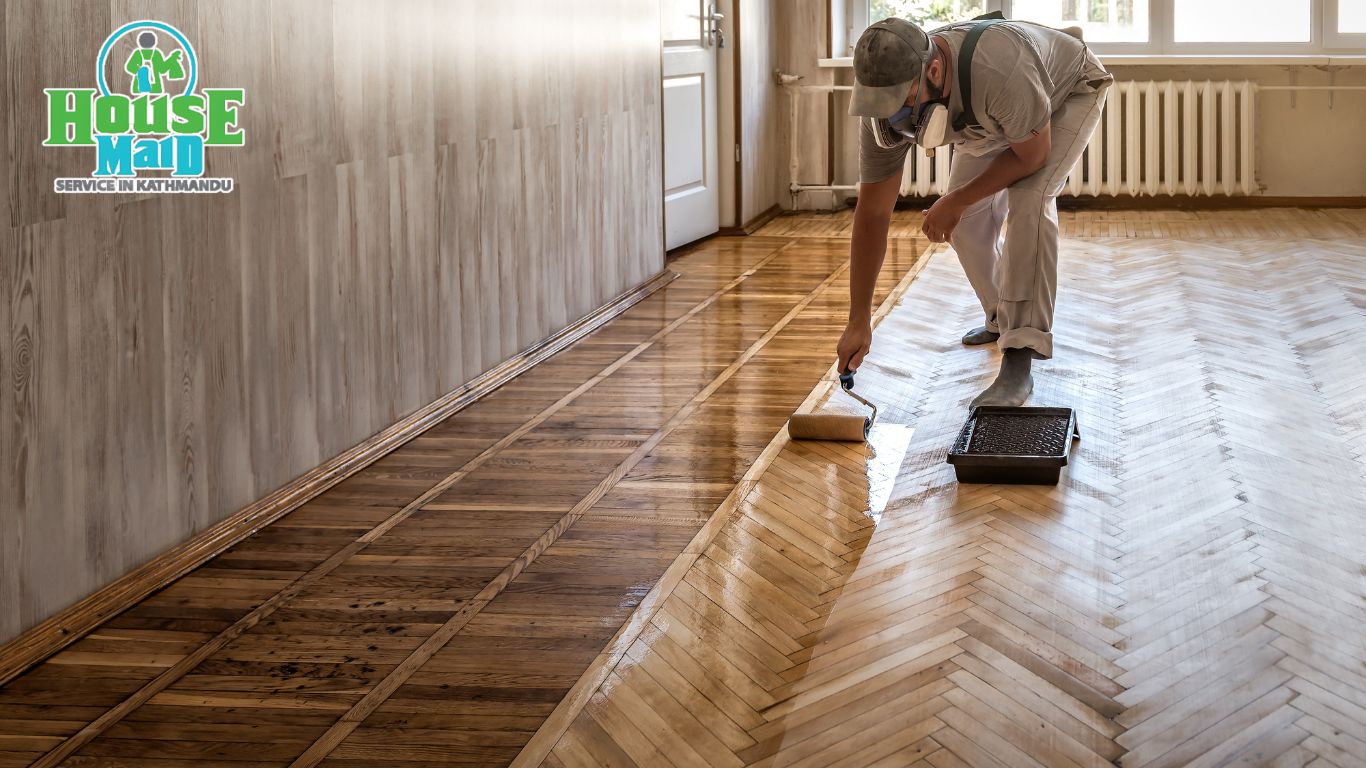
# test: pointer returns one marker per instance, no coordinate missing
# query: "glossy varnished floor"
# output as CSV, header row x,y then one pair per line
x,y
434,608
1192,594
612,560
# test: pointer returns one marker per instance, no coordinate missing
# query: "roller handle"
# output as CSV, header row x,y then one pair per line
x,y
847,384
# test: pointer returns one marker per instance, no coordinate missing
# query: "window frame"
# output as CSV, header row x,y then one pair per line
x,y
1324,35
1334,39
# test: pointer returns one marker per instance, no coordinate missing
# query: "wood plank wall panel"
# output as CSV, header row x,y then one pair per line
x,y
805,27
763,110
427,188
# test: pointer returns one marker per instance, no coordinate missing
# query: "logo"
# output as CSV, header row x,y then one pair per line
x,y
149,123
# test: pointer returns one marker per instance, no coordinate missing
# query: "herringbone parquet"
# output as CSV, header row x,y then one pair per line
x,y
1192,594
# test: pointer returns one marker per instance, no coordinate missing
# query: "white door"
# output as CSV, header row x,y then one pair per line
x,y
691,198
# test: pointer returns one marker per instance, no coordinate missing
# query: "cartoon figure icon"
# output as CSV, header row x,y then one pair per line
x,y
149,65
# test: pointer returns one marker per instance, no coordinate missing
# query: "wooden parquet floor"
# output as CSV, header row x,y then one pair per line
x,y
612,560
446,597
1192,594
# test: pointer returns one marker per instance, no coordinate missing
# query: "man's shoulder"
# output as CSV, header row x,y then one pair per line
x,y
1007,46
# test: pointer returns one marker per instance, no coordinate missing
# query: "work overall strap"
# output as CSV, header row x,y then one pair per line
x,y
969,117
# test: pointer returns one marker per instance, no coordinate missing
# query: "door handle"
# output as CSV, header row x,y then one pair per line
x,y
715,35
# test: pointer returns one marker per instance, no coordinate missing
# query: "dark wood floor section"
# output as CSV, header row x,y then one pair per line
x,y
448,596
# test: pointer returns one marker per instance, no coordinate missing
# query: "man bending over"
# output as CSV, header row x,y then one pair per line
x,y
1034,96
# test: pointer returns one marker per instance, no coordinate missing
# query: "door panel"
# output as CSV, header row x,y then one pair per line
x,y
685,151
691,195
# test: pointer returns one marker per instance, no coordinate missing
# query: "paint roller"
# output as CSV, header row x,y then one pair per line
x,y
834,424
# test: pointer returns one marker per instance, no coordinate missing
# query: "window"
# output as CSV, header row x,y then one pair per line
x,y
1101,20
1145,26
927,13
1244,21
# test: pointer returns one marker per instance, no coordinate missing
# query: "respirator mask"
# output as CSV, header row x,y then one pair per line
x,y
925,125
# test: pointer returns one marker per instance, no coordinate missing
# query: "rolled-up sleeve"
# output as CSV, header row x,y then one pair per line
x,y
877,163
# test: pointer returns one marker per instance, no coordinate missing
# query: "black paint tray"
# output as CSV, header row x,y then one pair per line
x,y
1025,445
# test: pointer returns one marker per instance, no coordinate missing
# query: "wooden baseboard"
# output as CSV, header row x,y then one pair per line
x,y
59,631
1172,203
753,225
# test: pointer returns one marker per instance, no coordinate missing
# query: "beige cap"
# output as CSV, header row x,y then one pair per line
x,y
890,56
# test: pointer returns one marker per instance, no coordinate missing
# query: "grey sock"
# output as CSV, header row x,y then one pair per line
x,y
1013,384
980,335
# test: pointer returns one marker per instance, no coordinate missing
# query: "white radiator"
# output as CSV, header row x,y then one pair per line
x,y
1155,138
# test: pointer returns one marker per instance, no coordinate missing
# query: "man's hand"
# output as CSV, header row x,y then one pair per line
x,y
942,218
854,344
1023,159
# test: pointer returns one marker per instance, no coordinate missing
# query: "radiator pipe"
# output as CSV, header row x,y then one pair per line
x,y
789,82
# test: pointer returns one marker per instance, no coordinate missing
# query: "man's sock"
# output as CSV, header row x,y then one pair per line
x,y
1013,384
980,335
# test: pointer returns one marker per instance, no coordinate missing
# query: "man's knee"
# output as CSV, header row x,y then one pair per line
x,y
1026,199
1031,208
977,229
971,240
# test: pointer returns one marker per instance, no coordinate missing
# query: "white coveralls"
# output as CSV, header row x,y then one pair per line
x,y
1016,277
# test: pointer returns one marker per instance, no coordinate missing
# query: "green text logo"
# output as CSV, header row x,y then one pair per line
x,y
161,124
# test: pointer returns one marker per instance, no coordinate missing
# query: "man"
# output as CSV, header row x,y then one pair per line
x,y
148,65
1036,94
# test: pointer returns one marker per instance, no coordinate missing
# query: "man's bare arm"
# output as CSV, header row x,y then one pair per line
x,y
872,218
